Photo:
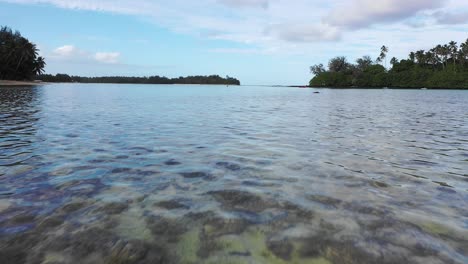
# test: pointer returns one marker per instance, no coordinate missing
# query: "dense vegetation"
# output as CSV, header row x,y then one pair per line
x,y
19,58
212,79
444,66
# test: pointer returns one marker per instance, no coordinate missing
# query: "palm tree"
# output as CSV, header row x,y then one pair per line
x,y
412,56
18,57
445,51
383,54
420,57
393,61
463,53
453,50
39,66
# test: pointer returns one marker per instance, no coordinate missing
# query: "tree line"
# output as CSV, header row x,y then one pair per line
x,y
211,79
19,59
444,66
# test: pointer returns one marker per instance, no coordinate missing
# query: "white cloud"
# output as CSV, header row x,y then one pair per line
x,y
285,26
246,3
107,57
305,32
72,53
364,13
451,18
66,51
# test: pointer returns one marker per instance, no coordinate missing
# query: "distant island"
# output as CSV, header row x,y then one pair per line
x,y
212,79
20,64
442,67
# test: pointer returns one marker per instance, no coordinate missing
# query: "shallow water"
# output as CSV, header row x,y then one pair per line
x,y
214,174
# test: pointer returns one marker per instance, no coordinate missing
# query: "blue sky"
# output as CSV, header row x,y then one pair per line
x,y
256,41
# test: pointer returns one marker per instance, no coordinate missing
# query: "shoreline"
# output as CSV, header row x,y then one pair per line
x,y
7,83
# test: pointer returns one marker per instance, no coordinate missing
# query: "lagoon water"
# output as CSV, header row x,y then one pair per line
x,y
214,174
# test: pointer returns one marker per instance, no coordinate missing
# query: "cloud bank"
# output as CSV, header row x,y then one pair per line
x,y
72,53
275,24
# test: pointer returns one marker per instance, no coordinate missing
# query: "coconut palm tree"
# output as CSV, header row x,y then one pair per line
x,y
463,53
18,56
420,57
39,66
383,54
393,61
453,50
412,56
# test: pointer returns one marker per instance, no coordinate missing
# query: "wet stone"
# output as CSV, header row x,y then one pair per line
x,y
228,165
172,162
171,205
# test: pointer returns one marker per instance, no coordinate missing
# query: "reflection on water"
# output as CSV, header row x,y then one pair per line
x,y
196,174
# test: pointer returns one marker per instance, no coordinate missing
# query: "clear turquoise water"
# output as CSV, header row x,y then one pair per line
x,y
215,174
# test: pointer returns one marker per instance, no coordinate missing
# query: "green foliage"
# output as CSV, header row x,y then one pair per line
x,y
19,58
332,79
212,79
444,66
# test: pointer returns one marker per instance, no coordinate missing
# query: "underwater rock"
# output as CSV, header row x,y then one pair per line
x,y
216,226
136,251
146,173
22,219
171,205
327,201
72,207
120,170
281,249
113,208
15,249
228,165
367,210
379,184
241,200
172,162
168,229
197,174
50,222
343,252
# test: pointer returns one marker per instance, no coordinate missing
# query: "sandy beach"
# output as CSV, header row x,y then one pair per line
x,y
19,83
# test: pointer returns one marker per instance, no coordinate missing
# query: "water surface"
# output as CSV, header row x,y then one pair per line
x,y
215,174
